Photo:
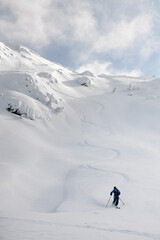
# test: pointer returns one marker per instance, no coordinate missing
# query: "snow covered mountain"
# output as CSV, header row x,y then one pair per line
x,y
30,84
66,139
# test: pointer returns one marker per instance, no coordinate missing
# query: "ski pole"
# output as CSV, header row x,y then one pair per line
x,y
121,201
108,201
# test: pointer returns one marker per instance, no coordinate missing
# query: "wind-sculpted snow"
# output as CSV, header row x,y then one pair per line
x,y
37,81
56,173
31,94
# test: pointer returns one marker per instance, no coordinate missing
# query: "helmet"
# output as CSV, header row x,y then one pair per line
x,y
115,188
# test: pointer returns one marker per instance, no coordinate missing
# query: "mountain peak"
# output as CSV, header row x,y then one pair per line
x,y
28,82
32,86
18,57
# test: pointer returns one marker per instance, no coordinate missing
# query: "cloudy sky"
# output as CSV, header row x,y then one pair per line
x,y
109,36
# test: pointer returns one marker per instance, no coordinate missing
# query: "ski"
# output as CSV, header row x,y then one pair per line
x,y
117,207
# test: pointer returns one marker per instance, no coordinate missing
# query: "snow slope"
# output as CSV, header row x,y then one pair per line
x,y
68,138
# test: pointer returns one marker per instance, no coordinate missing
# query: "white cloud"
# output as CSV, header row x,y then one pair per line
x,y
97,68
124,34
132,73
27,23
87,28
43,21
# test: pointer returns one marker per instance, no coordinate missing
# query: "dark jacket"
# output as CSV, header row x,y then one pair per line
x,y
116,193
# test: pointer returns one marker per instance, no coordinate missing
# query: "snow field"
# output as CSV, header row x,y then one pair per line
x,y
57,170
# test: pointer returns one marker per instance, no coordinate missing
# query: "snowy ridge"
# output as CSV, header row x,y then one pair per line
x,y
30,84
19,57
29,93
94,132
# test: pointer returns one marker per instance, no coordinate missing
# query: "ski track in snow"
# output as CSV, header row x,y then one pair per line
x,y
74,179
99,111
69,180
115,152
130,232
125,177
85,121
6,220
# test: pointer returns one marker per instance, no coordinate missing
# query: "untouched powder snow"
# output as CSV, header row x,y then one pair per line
x,y
66,140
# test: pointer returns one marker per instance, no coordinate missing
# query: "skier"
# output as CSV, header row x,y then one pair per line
x,y
116,193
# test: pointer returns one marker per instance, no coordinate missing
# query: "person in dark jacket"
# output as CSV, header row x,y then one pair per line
x,y
116,193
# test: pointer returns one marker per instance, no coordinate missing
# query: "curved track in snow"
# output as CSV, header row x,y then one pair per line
x,y
46,227
78,187
114,152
